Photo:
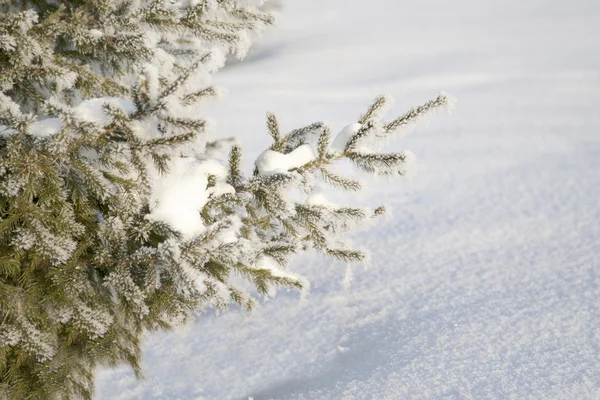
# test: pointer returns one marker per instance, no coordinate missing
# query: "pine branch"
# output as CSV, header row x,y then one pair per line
x,y
234,177
340,182
323,142
293,139
365,130
379,163
416,113
347,256
182,78
273,127
195,97
377,105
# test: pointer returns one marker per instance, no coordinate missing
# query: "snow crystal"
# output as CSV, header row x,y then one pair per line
x,y
11,186
58,248
273,162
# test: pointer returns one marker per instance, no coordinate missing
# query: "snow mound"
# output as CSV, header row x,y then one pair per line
x,y
274,162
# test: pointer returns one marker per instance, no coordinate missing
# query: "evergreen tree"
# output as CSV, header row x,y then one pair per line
x,y
116,216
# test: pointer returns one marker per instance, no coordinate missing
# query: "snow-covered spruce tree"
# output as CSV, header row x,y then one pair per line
x,y
116,217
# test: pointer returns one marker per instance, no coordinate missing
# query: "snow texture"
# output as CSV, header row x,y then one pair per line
x,y
273,162
485,282
88,110
339,143
179,195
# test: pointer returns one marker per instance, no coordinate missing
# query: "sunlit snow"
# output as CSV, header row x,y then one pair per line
x,y
484,282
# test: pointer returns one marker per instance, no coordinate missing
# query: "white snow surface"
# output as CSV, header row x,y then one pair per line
x,y
340,140
485,282
179,195
273,162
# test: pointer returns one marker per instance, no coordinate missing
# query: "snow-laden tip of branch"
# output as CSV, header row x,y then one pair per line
x,y
268,264
408,168
216,60
450,101
378,109
370,133
273,162
221,92
242,45
409,119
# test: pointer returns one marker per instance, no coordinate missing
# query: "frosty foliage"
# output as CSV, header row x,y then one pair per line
x,y
115,215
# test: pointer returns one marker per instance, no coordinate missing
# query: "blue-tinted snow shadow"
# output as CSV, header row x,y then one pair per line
x,y
367,350
418,346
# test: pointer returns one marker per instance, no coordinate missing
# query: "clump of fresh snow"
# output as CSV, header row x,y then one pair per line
x,y
274,162
339,143
179,195
66,80
91,110
95,33
318,199
151,75
88,110
46,127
